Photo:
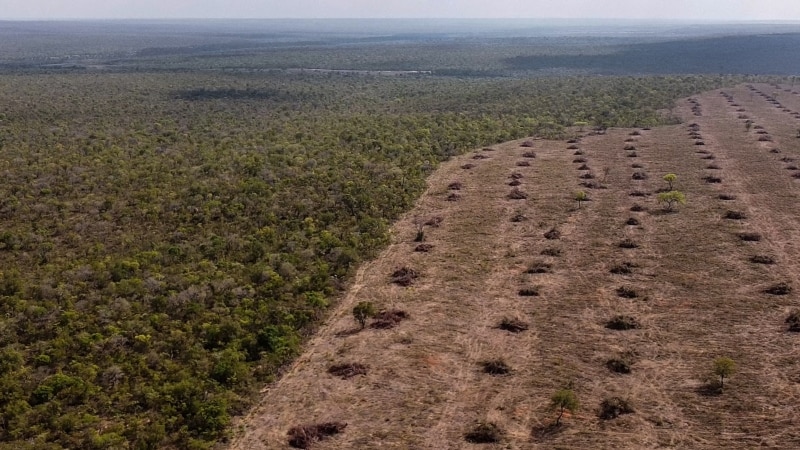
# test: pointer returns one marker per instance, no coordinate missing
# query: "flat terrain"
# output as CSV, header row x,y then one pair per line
x,y
692,288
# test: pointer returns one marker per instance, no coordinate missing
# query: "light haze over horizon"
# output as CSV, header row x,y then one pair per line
x,y
694,10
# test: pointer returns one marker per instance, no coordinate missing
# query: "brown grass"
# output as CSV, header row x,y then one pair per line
x,y
704,298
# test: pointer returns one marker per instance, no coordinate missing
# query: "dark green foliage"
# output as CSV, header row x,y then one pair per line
x,y
169,236
363,311
564,400
484,433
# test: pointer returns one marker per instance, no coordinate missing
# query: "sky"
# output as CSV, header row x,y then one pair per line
x,y
711,10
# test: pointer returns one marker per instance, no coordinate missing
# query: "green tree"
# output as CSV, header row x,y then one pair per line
x,y
670,179
724,367
363,311
564,400
580,197
671,198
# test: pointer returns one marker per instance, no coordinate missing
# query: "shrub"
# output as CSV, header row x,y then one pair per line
x,y
580,160
515,175
388,319
484,433
564,400
303,436
632,155
713,167
699,143
727,197
578,152
638,194
586,176
453,197
779,289
480,156
347,370
723,367
519,218
762,259
793,321
363,311
529,155
671,198
527,143
434,221
512,325
614,407
626,292
670,178
572,147
523,163
619,365
638,208
627,243
623,323
455,186
750,237
632,221
584,167
514,183
639,176
468,166
630,148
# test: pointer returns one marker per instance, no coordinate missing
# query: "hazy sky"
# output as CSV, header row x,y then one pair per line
x,y
637,9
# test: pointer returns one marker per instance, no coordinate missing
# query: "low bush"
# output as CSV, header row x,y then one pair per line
x,y
750,237
735,215
517,194
539,267
727,197
623,268
628,243
632,221
523,163
529,292
423,248
551,252
639,176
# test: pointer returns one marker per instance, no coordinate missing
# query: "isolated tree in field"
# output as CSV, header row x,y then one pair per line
x,y
564,400
580,197
671,198
724,367
670,179
363,311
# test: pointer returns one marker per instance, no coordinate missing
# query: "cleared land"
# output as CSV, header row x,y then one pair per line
x,y
692,288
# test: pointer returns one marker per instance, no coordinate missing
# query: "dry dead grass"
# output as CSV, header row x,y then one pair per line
x,y
425,386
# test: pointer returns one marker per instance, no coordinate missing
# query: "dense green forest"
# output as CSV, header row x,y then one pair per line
x,y
168,237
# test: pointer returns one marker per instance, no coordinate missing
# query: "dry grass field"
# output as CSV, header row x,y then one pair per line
x,y
692,289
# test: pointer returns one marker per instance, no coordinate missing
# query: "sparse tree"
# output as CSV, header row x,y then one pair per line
x,y
670,179
363,311
580,197
564,400
724,367
671,198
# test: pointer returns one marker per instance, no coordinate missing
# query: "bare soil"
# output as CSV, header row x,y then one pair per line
x,y
699,296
